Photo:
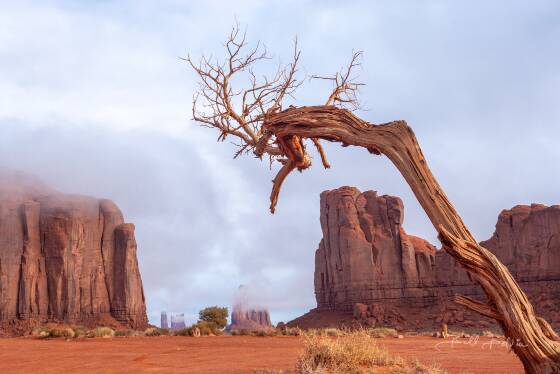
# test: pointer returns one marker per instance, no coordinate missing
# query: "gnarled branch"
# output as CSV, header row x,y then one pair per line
x,y
265,128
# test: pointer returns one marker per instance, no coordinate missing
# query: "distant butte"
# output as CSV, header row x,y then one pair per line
x,y
367,269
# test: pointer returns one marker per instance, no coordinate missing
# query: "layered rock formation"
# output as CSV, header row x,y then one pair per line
x,y
65,258
367,265
245,316
365,253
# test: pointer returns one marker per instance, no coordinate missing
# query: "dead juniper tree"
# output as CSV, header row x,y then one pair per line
x,y
255,117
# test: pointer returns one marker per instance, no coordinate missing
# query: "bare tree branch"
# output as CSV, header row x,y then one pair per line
x,y
344,93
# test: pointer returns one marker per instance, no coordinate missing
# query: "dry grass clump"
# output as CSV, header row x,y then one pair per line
x,y
182,332
290,331
261,332
41,332
415,367
156,331
79,331
353,352
101,332
382,332
329,351
128,333
62,332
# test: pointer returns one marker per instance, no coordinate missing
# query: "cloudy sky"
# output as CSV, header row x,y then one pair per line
x,y
94,99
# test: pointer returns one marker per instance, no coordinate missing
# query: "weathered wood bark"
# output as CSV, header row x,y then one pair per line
x,y
531,338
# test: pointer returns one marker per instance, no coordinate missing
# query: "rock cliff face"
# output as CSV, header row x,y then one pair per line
x,y
366,263
365,254
65,258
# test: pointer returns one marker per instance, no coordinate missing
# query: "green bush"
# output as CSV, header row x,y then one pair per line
x,y
215,315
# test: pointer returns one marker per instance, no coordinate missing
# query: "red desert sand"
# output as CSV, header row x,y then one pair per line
x,y
227,354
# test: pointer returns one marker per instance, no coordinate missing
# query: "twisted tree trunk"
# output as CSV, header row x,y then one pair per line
x,y
531,338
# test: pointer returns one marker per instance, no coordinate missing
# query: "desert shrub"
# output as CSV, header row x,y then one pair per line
x,y
333,332
62,332
215,315
312,332
41,332
208,328
291,331
381,332
263,333
129,332
156,331
183,332
101,332
79,331
353,352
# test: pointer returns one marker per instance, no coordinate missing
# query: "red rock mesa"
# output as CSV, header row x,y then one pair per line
x,y
367,265
244,316
65,258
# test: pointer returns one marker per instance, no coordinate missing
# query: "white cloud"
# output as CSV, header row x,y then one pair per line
x,y
94,99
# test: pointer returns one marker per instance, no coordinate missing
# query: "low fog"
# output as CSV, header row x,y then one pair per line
x,y
96,101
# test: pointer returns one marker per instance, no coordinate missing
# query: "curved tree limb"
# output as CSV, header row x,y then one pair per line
x,y
532,342
264,128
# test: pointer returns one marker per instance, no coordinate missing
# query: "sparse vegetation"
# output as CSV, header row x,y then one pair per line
x,y
128,332
353,352
62,332
152,331
79,331
41,332
261,332
415,367
183,332
101,332
382,332
291,331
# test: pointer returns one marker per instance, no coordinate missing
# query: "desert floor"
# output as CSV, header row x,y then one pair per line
x,y
227,354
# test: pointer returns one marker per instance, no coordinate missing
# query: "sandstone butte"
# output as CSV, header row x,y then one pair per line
x,y
65,259
246,316
368,269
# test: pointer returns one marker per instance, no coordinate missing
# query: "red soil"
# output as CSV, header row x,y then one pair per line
x,y
227,354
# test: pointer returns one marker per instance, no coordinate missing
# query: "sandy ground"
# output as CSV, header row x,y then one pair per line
x,y
228,354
